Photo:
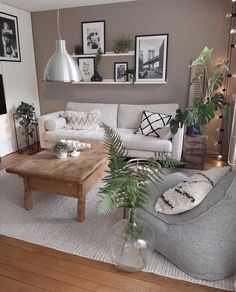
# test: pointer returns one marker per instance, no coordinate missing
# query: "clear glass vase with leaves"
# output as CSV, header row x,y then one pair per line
x,y
126,186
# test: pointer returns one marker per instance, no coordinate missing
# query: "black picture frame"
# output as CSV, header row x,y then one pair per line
x,y
83,74
9,41
123,75
95,27
145,58
3,107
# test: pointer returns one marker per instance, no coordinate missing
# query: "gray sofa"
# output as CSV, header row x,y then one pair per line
x,y
202,241
124,118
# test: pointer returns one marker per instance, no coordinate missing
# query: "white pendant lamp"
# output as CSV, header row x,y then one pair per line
x,y
61,66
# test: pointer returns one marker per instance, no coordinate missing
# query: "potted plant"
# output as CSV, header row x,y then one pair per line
x,y
123,44
126,186
60,149
25,114
209,101
98,58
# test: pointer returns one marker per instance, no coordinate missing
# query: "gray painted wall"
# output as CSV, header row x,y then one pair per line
x,y
191,25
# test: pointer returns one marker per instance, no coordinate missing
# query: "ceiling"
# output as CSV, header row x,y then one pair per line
x,y
39,5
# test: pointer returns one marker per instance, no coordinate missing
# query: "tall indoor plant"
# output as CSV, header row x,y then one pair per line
x,y
25,114
211,98
127,187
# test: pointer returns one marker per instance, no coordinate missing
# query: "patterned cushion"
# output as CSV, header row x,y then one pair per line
x,y
82,120
152,123
188,194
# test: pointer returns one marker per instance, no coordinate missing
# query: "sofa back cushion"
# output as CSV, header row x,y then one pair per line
x,y
130,115
108,111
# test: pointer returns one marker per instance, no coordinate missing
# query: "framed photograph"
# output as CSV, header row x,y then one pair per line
x,y
86,66
120,71
93,36
151,58
3,108
9,42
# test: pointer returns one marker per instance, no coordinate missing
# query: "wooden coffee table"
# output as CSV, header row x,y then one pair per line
x,y
72,176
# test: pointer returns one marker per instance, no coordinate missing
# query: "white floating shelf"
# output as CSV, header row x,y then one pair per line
x,y
107,54
111,81
104,82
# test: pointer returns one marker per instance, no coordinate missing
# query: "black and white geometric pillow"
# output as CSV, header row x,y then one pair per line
x,y
189,194
152,122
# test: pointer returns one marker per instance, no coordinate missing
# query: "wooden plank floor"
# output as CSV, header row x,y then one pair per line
x,y
26,267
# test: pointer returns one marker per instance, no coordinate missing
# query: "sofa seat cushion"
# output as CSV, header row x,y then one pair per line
x,y
57,135
139,142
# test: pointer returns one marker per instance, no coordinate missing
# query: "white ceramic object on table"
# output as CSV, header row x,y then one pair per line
x,y
74,153
61,155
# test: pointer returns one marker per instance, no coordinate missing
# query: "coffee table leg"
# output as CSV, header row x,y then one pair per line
x,y
81,208
28,194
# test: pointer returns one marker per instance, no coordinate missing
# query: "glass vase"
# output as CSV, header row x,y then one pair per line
x,y
131,245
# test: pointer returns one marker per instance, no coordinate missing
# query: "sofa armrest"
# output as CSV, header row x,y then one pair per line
x,y
41,124
177,144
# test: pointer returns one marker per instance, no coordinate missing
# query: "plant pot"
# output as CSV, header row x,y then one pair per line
x,y
194,130
96,77
61,155
131,245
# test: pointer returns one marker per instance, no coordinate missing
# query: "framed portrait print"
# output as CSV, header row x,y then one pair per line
x,y
93,36
120,70
3,108
9,42
151,58
86,66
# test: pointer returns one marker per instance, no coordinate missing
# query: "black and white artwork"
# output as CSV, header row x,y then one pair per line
x,y
9,43
120,70
3,108
93,36
151,58
86,66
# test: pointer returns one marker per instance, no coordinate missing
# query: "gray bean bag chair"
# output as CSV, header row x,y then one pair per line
x,y
202,241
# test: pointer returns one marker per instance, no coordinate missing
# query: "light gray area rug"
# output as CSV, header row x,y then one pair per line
x,y
52,223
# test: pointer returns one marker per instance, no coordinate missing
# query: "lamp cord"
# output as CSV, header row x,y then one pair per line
x,y
58,20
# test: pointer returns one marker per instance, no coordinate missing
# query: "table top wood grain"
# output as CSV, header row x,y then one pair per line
x,y
72,169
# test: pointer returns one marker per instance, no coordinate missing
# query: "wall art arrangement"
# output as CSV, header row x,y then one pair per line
x,y
120,71
150,55
93,36
3,108
9,43
151,58
86,66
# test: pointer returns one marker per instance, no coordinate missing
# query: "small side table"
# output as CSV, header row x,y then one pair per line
x,y
194,151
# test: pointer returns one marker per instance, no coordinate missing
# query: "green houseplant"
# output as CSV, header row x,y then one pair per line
x,y
126,186
210,99
98,59
123,44
25,114
60,149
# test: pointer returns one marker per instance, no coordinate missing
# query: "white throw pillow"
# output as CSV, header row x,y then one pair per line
x,y
188,194
152,123
82,120
55,124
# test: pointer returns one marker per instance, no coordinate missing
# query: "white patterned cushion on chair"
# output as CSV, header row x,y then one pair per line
x,y
82,120
188,194
152,123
